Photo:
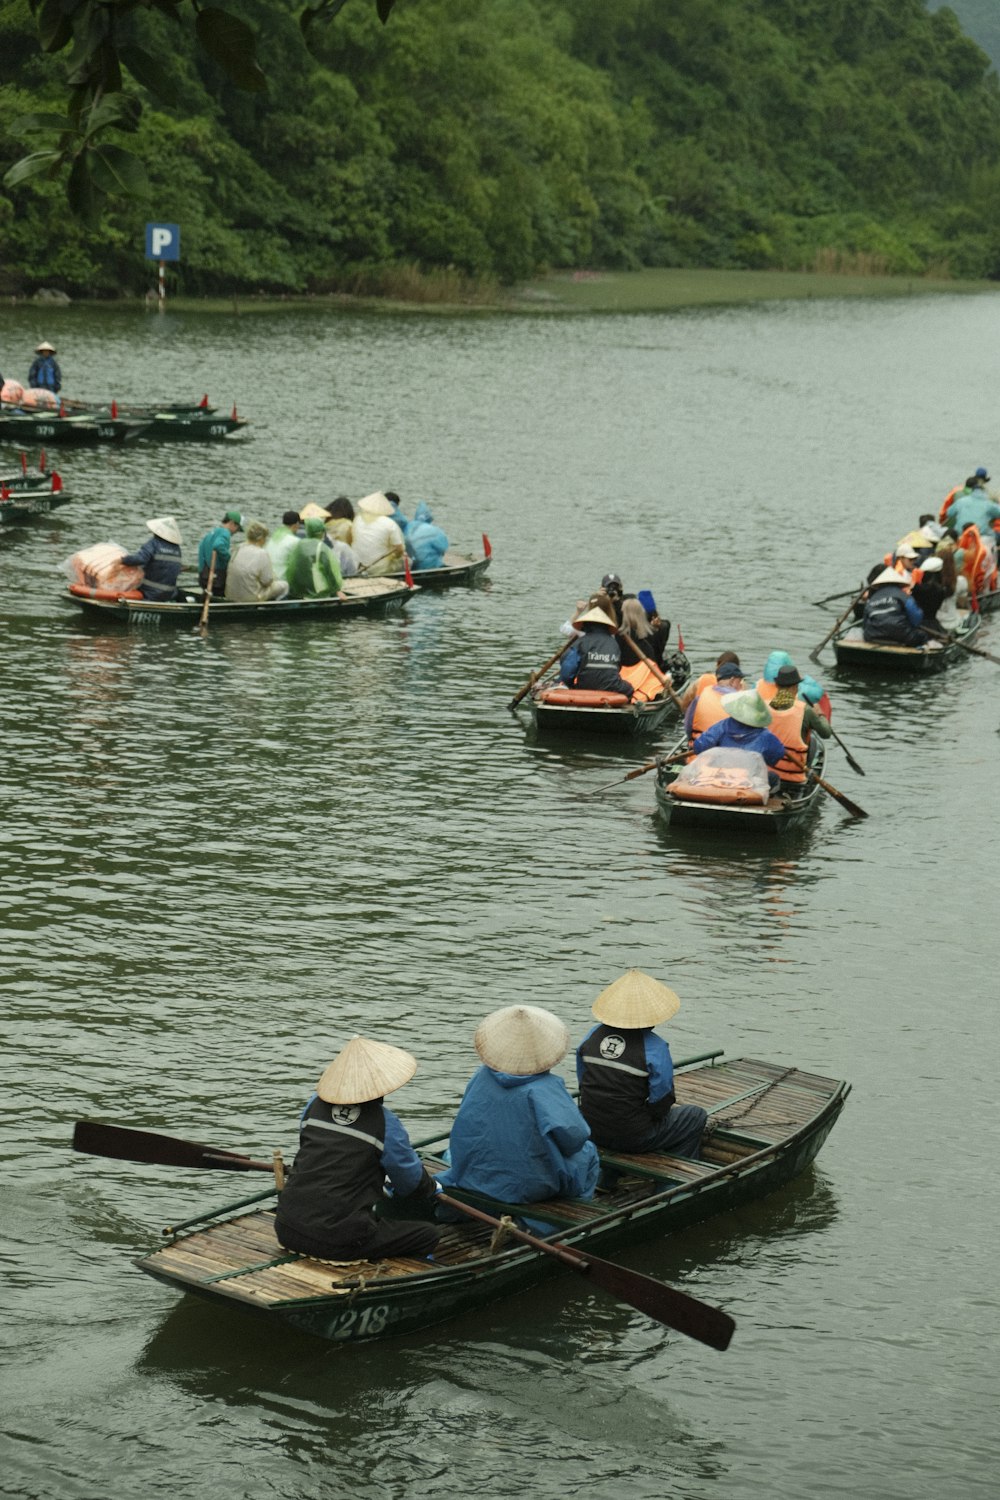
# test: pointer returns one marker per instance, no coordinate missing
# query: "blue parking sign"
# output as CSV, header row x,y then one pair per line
x,y
163,242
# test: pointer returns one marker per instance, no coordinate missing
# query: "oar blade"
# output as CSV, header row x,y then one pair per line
x,y
124,1144
685,1314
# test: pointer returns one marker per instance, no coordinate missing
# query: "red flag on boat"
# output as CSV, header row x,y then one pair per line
x,y
4,492
487,549
62,409
114,408
56,482
406,571
42,461
680,639
24,462
204,400
235,417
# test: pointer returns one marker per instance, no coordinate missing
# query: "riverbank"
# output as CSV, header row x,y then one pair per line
x,y
647,291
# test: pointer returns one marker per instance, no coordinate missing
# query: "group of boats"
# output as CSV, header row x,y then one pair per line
x,y
28,493
81,422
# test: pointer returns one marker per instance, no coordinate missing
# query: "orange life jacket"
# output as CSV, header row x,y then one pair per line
x,y
709,708
947,501
786,723
767,689
645,683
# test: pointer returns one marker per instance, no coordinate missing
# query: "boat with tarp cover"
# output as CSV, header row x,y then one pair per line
x,y
767,1124
852,650
723,803
560,710
362,596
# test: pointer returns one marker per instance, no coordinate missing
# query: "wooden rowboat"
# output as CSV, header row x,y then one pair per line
x,y
770,1122
365,596
24,496
853,651
559,711
84,427
455,569
779,815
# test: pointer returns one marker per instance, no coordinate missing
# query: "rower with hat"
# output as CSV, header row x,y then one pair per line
x,y
626,1073
350,1145
220,541
160,560
594,660
45,373
891,613
518,1136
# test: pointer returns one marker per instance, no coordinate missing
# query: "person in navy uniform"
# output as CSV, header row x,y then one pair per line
x,y
350,1147
593,661
626,1073
45,373
159,557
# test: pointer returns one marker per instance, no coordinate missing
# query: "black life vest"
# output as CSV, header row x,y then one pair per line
x,y
614,1087
338,1167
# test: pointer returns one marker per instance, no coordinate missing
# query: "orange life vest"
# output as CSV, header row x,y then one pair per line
x,y
709,708
786,723
767,689
645,683
947,501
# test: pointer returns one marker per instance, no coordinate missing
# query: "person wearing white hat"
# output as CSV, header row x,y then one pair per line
x,y
626,1073
45,373
350,1146
891,613
518,1136
160,560
934,584
376,539
594,660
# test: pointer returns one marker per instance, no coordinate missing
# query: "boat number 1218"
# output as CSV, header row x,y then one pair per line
x,y
368,1322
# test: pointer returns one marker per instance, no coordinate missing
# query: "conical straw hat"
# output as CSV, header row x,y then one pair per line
x,y
166,528
635,1000
521,1039
376,505
365,1070
314,512
595,616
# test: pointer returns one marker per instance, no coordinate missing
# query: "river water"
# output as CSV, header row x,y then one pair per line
x,y
224,856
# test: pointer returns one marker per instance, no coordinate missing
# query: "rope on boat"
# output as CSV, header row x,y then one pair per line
x,y
501,1234
723,1123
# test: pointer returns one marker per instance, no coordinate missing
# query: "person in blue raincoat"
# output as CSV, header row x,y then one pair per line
x,y
425,542
45,373
518,1136
745,728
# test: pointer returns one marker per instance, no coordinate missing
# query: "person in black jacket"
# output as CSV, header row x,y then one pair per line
x,y
349,1146
593,661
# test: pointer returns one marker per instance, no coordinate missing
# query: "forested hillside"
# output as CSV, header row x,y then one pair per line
x,y
498,137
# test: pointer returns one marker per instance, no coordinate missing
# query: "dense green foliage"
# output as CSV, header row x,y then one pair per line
x,y
501,136
981,19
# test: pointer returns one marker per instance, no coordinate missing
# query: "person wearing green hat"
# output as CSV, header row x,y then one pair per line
x,y
745,728
220,541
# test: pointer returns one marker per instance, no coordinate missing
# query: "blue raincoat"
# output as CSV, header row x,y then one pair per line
x,y
521,1138
425,542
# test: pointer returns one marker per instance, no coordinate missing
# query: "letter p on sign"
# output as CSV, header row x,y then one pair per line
x,y
163,242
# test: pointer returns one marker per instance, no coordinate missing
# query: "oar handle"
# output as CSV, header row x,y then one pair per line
x,y
540,673
203,620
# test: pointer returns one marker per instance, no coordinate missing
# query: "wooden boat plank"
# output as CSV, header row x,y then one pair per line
x,y
658,1165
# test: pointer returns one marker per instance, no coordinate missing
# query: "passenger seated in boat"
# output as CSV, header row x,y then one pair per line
x,y
626,1073
766,681
934,587
281,543
710,705
378,542
745,728
518,1136
707,679
611,585
794,721
659,626
313,570
425,542
250,576
339,531
973,507
593,660
890,613
219,540
636,642
350,1145
160,561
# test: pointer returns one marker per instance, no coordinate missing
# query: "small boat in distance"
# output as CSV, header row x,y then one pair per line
x,y
88,425
768,1122
26,494
454,569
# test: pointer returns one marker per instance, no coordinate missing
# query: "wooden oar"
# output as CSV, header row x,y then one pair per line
x,y
814,653
852,807
124,1144
950,640
392,552
831,597
709,1325
656,671
203,619
535,676
850,758
639,771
